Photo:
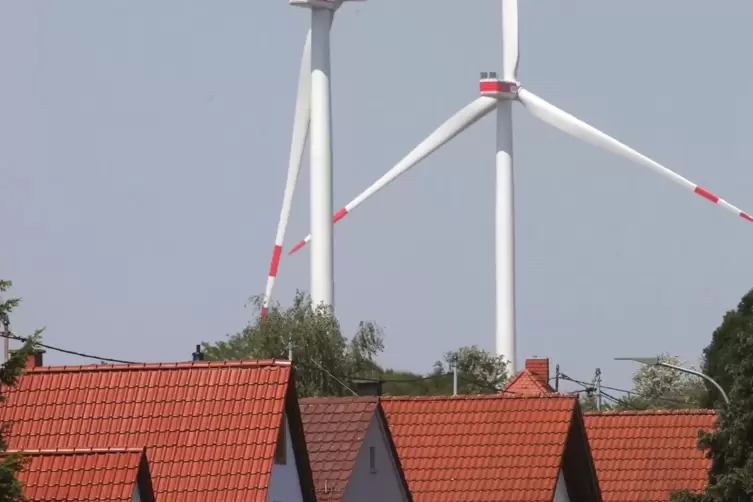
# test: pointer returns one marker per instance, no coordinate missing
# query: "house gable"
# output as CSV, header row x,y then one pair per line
x,y
560,490
518,446
284,482
578,470
657,448
210,426
340,434
377,475
292,481
87,475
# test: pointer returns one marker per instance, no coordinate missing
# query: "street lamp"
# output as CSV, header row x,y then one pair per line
x,y
655,361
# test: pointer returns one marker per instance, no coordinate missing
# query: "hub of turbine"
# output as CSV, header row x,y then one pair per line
x,y
490,85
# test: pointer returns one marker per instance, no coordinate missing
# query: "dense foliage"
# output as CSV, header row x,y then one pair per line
x,y
724,351
729,360
328,363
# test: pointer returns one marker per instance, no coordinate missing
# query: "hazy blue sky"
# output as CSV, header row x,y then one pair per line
x,y
144,146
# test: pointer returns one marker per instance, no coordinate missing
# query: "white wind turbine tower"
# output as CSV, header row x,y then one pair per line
x,y
312,106
499,94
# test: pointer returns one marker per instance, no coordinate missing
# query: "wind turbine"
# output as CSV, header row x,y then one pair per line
x,y
312,106
500,94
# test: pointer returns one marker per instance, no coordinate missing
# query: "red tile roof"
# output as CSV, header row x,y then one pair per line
x,y
335,428
526,383
489,448
643,455
210,427
533,379
85,475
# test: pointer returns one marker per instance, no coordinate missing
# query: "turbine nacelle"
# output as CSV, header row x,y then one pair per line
x,y
490,85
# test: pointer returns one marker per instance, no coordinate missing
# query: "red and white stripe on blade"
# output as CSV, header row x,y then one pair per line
x,y
510,51
297,146
576,127
459,122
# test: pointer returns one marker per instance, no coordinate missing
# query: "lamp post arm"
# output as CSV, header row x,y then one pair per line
x,y
698,374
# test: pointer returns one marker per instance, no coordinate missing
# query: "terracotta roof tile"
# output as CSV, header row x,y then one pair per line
x,y
643,455
210,427
481,448
84,475
526,383
335,428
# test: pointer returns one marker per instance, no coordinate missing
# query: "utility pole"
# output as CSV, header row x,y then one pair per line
x,y
557,378
290,348
455,376
597,378
6,341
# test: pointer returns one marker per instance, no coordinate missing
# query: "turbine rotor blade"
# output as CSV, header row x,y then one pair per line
x,y
456,124
563,121
510,51
297,147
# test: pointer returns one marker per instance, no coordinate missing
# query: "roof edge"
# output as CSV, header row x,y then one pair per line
x,y
250,363
298,441
76,451
382,416
471,397
623,413
578,427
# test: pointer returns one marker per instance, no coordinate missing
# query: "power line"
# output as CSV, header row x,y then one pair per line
x,y
334,377
628,392
11,336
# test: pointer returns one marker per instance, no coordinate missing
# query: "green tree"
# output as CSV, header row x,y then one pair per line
x,y
730,445
11,489
723,351
662,387
479,371
324,358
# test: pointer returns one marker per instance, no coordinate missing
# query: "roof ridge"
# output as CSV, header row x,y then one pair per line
x,y
181,365
471,397
679,411
76,451
338,399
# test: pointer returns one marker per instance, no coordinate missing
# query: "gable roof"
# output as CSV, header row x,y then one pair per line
x,y
210,426
335,428
533,379
643,455
85,475
490,447
526,383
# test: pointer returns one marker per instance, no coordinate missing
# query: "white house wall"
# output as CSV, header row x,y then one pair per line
x,y
382,484
284,485
135,495
560,491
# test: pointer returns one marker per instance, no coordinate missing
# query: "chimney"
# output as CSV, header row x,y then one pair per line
x,y
34,359
198,355
368,387
539,368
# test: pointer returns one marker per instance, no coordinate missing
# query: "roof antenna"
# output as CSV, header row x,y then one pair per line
x,y
198,355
